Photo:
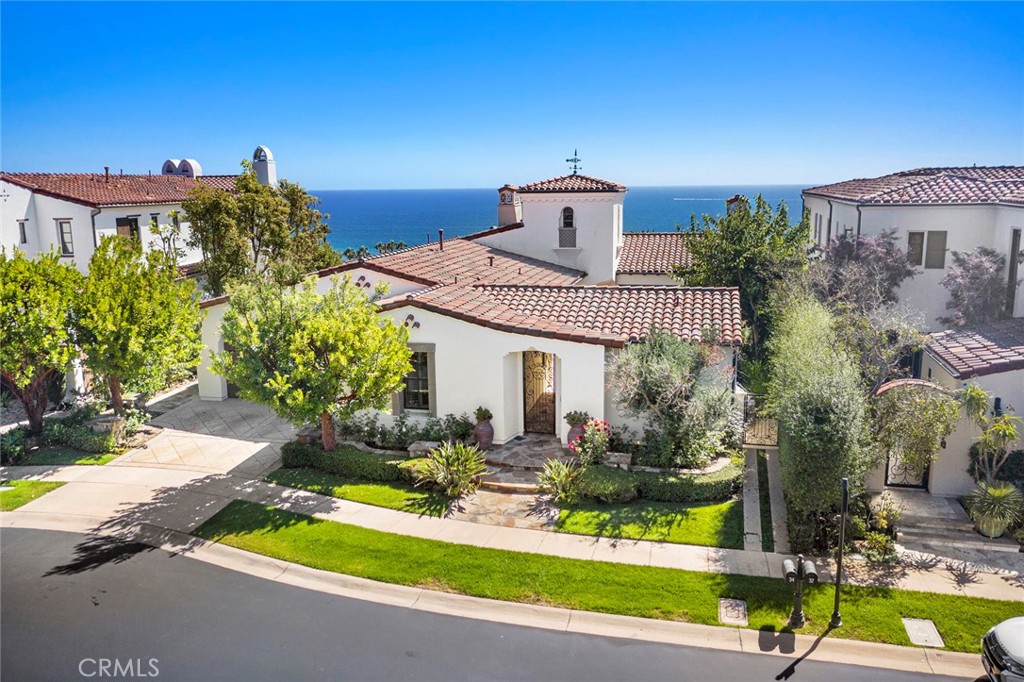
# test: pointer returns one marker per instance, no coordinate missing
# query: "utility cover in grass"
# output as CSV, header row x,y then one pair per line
x,y
922,632
732,612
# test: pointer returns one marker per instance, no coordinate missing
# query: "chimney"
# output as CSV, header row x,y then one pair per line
x,y
440,238
510,207
106,174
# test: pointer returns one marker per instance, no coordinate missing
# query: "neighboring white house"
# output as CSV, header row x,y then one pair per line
x,y
70,212
511,318
991,356
935,211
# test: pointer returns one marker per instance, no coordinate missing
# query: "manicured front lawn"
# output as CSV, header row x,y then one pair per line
x,y
712,525
61,454
391,494
871,614
24,492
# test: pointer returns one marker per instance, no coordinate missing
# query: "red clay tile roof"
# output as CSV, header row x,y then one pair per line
x,y
989,349
465,261
573,183
652,253
985,185
609,316
94,189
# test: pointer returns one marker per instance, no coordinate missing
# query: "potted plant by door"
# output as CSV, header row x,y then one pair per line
x,y
994,508
577,421
483,431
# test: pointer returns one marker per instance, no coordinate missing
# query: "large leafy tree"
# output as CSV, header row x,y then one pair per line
x,y
912,420
37,343
255,229
752,248
977,287
863,273
998,433
136,321
311,356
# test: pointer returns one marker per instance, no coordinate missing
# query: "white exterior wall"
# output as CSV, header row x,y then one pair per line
x,y
211,386
477,366
598,231
17,205
967,227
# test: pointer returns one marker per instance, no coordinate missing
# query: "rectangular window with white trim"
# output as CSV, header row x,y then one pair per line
x,y
419,393
67,242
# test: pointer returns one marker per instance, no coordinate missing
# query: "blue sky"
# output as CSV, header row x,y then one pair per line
x,y
475,95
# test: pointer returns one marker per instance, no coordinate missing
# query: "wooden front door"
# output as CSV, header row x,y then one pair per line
x,y
538,392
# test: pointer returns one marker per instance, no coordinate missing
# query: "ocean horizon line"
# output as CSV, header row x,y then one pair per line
x,y
495,189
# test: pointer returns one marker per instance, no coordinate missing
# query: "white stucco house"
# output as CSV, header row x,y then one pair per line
x,y
522,317
935,211
991,356
70,212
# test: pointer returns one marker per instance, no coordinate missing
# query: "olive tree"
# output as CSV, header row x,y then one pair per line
x,y
36,340
311,356
912,420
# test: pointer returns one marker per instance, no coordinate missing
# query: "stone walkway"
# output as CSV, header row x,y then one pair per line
x,y
527,452
751,503
183,478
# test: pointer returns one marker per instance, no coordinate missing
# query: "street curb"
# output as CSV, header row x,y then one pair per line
x,y
793,648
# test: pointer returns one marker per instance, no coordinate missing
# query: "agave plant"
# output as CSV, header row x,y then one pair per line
x,y
995,507
452,467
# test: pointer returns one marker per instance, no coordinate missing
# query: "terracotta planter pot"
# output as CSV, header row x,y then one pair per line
x,y
574,433
990,527
484,433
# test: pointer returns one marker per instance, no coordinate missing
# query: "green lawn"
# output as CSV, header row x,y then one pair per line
x,y
767,532
871,614
24,492
712,525
61,454
393,495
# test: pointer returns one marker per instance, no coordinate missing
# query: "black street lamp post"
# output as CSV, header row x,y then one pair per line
x,y
844,483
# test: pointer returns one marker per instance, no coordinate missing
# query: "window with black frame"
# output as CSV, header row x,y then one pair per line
x,y
416,395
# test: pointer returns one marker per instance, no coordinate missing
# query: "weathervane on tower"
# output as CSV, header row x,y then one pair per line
x,y
575,161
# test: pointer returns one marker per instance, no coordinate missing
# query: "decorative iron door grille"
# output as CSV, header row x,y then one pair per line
x,y
539,392
898,475
758,429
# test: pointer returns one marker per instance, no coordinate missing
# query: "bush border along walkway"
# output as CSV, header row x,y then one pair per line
x,y
871,613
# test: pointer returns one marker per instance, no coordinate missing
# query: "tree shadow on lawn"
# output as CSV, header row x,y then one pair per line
x,y
433,504
656,521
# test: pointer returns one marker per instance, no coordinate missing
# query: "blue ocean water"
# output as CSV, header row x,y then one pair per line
x,y
366,217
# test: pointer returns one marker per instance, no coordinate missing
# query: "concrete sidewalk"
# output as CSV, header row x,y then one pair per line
x,y
188,473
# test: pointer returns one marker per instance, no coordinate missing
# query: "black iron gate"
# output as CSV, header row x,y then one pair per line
x,y
758,429
899,475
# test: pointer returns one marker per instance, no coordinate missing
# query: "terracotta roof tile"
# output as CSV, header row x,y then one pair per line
x,y
968,185
573,183
988,349
611,316
95,189
652,253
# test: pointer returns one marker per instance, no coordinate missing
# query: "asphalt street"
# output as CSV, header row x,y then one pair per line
x,y
64,612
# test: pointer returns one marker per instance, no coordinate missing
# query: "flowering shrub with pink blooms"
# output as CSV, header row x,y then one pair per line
x,y
592,446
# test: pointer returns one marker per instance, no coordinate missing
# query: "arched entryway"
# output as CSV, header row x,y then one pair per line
x,y
539,399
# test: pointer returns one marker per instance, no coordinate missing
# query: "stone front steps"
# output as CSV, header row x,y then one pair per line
x,y
510,480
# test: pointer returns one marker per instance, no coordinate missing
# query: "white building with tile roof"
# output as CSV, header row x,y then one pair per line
x,y
935,211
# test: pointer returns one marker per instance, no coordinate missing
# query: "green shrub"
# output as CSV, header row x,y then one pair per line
x,y
134,419
1011,471
714,487
607,484
453,468
346,461
1001,502
77,435
12,447
878,547
403,432
560,480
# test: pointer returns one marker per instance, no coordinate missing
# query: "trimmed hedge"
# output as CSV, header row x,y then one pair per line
x,y
348,461
12,446
615,486
78,436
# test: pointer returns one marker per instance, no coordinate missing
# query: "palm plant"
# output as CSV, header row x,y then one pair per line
x,y
995,507
453,468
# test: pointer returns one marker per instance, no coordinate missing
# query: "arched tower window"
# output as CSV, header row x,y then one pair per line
x,y
567,229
